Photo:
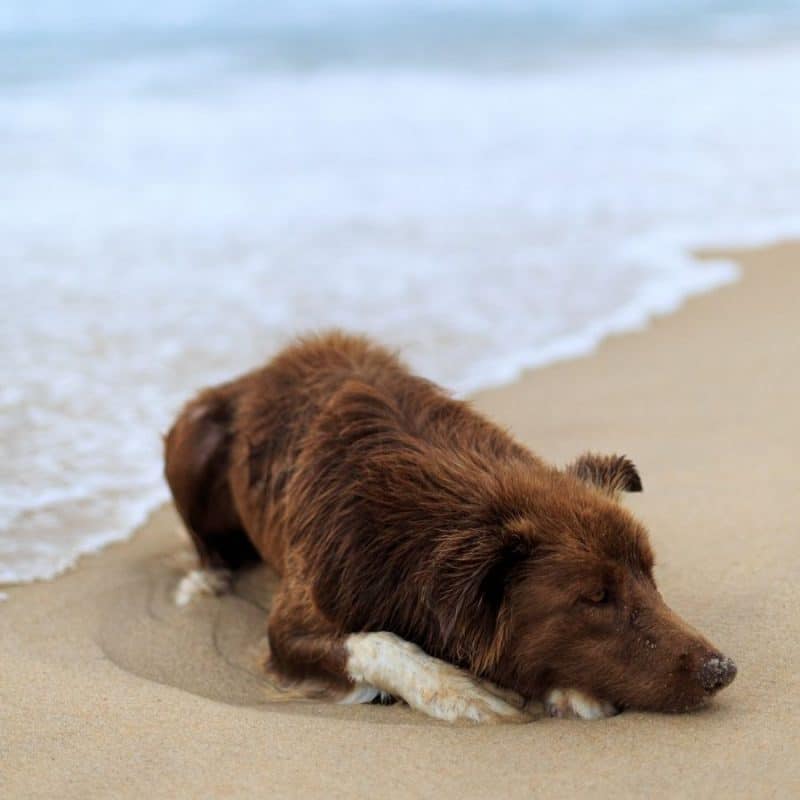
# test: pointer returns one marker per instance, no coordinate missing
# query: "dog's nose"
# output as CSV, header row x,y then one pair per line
x,y
717,672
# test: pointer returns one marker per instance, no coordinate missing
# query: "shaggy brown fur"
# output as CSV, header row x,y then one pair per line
x,y
385,505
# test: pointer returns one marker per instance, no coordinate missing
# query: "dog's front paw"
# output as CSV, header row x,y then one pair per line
x,y
574,704
201,582
456,695
441,690
474,701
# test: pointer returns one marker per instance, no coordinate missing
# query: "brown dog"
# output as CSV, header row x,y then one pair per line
x,y
424,554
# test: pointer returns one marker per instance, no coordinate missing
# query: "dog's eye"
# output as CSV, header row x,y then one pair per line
x,y
598,597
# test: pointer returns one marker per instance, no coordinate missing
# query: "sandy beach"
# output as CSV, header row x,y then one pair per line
x,y
108,690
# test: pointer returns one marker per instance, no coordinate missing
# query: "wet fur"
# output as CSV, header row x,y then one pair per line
x,y
388,506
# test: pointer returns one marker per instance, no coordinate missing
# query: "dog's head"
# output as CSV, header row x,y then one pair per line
x,y
571,589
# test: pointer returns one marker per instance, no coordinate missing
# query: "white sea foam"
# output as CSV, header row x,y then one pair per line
x,y
167,224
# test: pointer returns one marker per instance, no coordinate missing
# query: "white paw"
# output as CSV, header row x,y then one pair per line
x,y
458,696
441,690
571,703
201,582
360,693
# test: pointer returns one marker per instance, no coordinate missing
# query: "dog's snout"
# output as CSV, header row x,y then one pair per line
x,y
717,672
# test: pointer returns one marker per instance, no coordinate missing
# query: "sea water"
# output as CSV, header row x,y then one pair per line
x,y
484,186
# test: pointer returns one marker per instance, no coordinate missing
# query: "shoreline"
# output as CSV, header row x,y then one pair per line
x,y
107,687
699,276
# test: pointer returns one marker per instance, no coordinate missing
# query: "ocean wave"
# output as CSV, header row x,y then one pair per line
x,y
51,39
175,222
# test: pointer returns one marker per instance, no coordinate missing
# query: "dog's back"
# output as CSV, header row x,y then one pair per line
x,y
236,451
276,411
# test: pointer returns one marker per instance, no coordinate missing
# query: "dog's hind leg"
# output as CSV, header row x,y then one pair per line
x,y
197,453
360,667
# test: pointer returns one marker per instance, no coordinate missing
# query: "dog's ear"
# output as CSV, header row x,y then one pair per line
x,y
512,551
475,571
472,582
611,474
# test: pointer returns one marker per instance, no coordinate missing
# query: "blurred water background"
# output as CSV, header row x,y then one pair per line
x,y
486,186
